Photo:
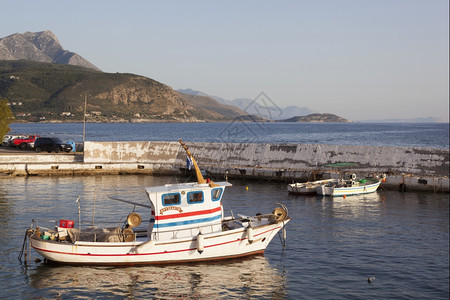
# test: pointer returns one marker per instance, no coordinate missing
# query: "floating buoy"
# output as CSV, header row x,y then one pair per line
x,y
200,243
344,196
246,188
250,233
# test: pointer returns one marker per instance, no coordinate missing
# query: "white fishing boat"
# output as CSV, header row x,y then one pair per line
x,y
307,188
186,224
343,188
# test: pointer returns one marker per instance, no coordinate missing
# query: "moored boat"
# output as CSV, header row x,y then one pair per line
x,y
343,188
186,224
307,188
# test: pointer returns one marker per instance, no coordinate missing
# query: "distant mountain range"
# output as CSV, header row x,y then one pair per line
x,y
269,110
260,106
43,81
41,47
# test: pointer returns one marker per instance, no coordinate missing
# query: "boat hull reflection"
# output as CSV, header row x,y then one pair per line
x,y
253,277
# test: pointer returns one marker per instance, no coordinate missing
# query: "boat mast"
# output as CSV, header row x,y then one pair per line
x,y
84,119
200,178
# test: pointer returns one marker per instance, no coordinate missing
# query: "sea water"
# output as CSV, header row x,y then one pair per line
x,y
434,135
333,246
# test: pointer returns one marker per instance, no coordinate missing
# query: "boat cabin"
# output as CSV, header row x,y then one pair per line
x,y
184,210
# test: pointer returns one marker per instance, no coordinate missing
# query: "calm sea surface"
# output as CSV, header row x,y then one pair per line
x,y
333,245
435,135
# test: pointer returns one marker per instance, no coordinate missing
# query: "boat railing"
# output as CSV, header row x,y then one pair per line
x,y
95,237
115,234
86,234
226,224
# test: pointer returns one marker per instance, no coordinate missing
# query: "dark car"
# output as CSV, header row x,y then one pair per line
x,y
51,144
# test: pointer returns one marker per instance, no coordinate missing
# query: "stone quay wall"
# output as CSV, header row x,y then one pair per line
x,y
406,167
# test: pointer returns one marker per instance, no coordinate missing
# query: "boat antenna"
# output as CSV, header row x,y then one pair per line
x,y
199,175
79,212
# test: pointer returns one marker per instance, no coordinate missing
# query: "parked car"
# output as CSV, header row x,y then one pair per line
x,y
9,138
51,144
23,142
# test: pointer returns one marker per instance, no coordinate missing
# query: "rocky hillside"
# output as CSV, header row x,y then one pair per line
x,y
258,108
318,118
44,91
41,47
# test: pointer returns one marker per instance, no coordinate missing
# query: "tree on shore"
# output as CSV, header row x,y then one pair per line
x,y
6,117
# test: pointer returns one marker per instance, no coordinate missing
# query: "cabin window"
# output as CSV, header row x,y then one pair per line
x,y
195,197
215,194
171,199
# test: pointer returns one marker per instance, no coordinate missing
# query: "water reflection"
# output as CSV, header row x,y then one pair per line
x,y
355,206
5,206
249,278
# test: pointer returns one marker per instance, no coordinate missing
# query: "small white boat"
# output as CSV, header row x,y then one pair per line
x,y
343,188
307,188
187,224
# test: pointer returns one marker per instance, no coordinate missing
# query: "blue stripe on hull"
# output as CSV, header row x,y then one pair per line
x,y
188,222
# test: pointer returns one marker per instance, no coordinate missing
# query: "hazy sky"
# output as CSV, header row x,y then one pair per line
x,y
359,59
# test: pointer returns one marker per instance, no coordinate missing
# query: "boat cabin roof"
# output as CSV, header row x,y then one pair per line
x,y
190,186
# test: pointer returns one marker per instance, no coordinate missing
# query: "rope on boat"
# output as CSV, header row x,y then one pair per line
x,y
24,251
282,236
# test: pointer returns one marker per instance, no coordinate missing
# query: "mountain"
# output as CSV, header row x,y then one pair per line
x,y
318,118
192,92
41,47
262,108
38,91
253,106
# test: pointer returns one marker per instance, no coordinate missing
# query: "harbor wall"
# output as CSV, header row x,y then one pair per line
x,y
283,157
405,167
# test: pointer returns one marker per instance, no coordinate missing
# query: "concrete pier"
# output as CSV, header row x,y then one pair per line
x,y
407,168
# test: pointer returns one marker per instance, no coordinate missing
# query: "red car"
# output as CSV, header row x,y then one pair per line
x,y
23,143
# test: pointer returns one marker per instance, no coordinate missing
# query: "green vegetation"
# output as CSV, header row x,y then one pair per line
x,y
32,88
54,92
6,117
